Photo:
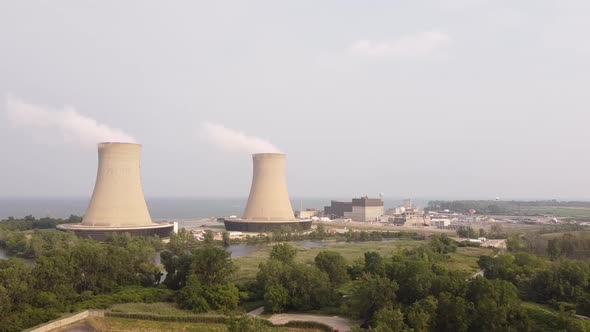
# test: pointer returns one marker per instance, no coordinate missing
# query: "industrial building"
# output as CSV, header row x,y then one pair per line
x,y
366,209
359,209
407,215
118,204
337,209
307,213
268,207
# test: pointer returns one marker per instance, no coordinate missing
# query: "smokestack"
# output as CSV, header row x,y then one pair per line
x,y
269,198
117,200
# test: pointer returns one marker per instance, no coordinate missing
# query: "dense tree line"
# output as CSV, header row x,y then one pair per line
x,y
412,291
409,291
201,277
285,284
568,245
30,222
553,271
496,231
499,207
481,207
69,271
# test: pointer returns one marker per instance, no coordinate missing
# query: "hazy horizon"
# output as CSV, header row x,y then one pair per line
x,y
453,99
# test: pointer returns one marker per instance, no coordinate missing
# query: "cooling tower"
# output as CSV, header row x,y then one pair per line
x,y
117,204
117,200
268,207
269,198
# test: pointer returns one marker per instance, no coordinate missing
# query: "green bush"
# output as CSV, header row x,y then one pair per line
x,y
308,325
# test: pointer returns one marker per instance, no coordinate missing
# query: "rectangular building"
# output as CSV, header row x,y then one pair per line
x,y
366,209
337,209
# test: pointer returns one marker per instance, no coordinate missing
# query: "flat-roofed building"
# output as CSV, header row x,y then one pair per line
x,y
366,209
337,209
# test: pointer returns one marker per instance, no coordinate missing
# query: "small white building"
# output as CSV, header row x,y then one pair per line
x,y
440,222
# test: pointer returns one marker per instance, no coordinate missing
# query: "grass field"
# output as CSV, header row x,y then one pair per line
x,y
557,211
159,308
545,318
465,259
123,324
248,265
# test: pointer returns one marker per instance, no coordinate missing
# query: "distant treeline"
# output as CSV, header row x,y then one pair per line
x,y
30,222
501,207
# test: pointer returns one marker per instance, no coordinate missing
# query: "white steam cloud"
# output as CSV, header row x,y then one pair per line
x,y
73,126
237,141
413,45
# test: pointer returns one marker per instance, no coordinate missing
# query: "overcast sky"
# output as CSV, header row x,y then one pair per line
x,y
423,99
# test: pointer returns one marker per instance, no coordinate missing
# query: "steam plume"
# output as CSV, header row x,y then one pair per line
x,y
237,141
73,126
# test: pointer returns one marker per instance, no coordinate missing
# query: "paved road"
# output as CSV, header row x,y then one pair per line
x,y
337,323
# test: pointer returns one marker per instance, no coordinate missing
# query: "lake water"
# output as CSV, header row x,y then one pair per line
x,y
160,208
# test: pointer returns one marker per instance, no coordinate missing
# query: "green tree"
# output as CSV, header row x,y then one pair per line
x,y
452,313
181,242
222,297
422,314
283,252
370,294
309,288
496,306
334,265
212,265
276,298
208,236
191,296
568,321
389,320
466,231
226,239
442,244
374,263
247,323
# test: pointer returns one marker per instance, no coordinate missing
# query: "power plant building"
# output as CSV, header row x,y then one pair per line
x,y
360,209
366,209
268,207
118,204
336,209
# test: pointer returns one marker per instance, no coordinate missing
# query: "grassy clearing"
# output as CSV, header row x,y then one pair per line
x,y
545,318
124,324
558,211
159,308
465,259
248,265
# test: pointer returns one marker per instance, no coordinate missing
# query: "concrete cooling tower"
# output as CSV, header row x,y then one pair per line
x,y
268,207
117,204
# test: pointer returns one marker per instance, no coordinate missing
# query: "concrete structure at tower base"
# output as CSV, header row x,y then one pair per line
x,y
265,226
102,233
